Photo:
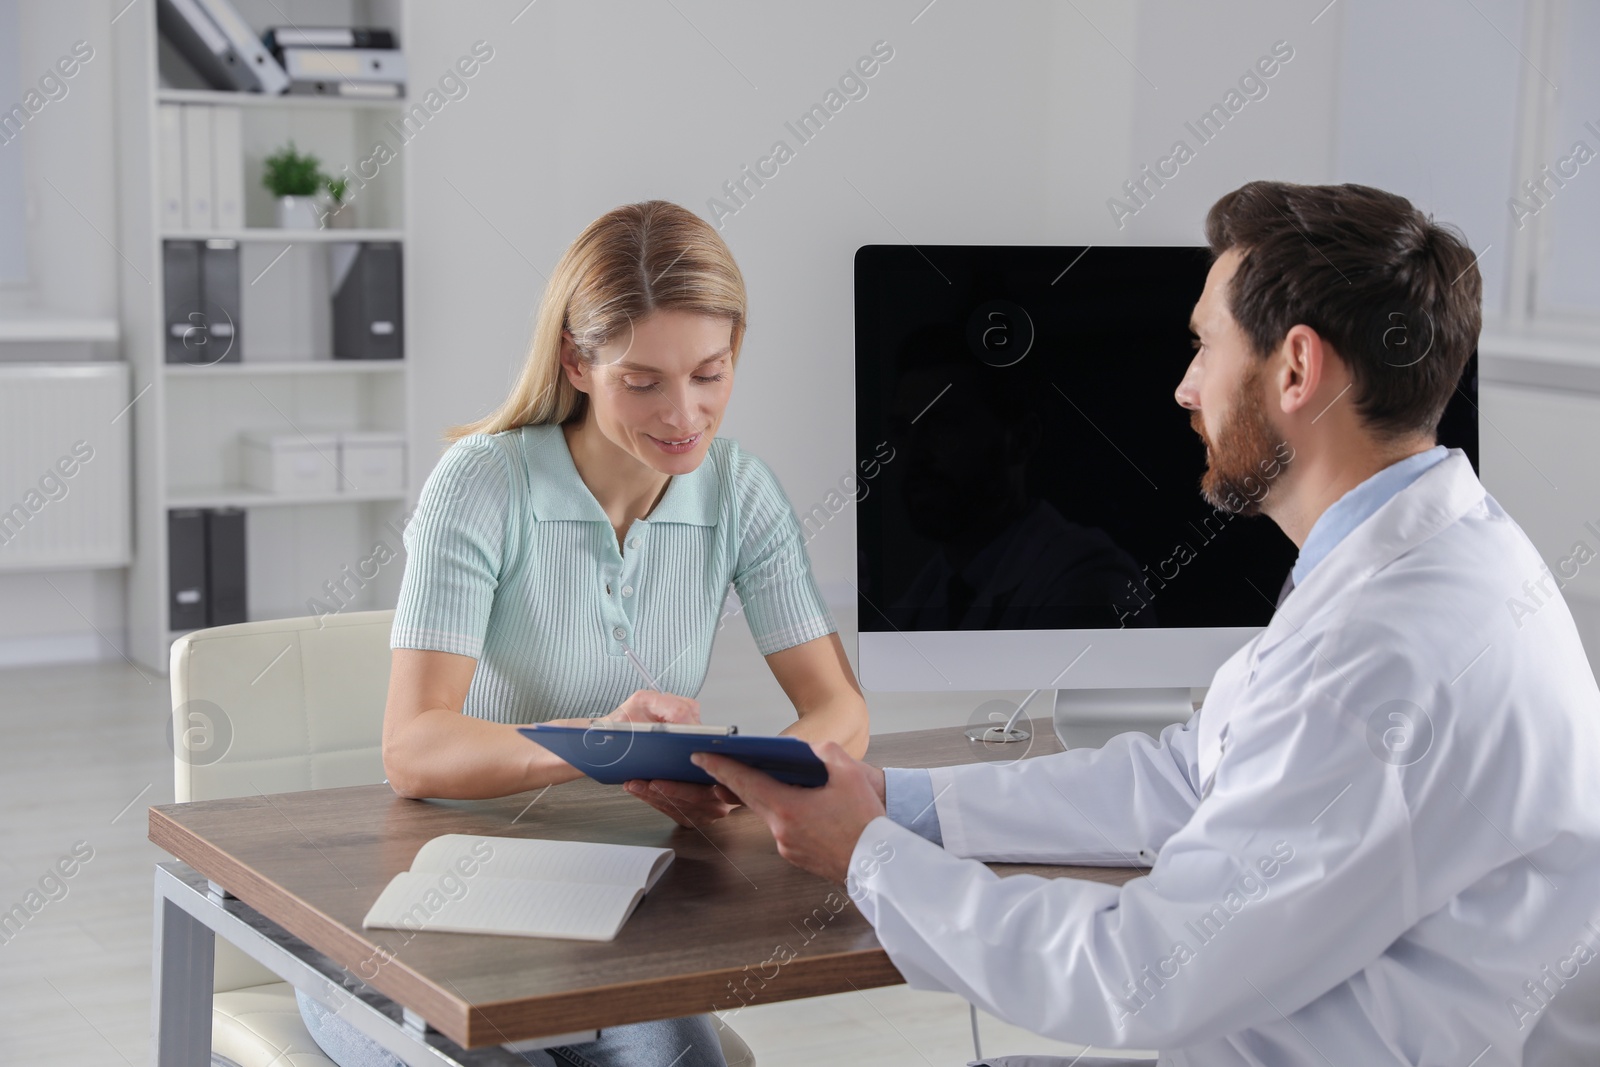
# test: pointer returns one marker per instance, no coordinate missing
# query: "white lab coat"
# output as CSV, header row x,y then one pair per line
x,y
1332,885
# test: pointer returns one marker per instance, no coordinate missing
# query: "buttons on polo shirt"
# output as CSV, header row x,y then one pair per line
x,y
620,633
627,590
633,542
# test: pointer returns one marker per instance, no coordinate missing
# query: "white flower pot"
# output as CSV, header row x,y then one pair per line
x,y
298,213
339,216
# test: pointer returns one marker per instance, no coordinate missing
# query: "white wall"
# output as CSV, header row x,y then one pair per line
x,y
70,176
992,123
67,153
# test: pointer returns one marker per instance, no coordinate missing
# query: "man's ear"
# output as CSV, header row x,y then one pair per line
x,y
1302,360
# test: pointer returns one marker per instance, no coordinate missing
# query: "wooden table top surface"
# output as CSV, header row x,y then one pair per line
x,y
730,923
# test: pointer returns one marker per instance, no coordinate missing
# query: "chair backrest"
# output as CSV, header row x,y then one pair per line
x,y
276,707
281,705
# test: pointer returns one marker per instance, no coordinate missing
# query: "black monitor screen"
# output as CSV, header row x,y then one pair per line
x,y
1023,464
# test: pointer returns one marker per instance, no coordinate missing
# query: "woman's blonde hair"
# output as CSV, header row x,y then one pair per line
x,y
626,264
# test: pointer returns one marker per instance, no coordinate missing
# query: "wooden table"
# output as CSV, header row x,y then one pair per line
x,y
715,933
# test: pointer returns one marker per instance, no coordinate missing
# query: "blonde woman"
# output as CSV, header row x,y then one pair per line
x,y
596,516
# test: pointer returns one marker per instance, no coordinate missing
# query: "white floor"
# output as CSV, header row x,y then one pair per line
x,y
85,751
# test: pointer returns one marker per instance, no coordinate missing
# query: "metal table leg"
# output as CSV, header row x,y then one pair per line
x,y
181,994
190,913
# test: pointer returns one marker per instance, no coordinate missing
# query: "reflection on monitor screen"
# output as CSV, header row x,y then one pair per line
x,y
1040,474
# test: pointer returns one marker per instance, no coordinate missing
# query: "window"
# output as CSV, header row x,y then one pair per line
x,y
1476,113
1565,259
13,191
1427,109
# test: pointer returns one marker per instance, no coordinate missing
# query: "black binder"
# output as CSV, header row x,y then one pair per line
x,y
186,568
366,301
225,566
201,279
185,314
219,289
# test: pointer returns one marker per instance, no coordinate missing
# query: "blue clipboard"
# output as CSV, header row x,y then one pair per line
x,y
613,756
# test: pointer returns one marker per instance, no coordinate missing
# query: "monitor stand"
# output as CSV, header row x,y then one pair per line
x,y
1088,718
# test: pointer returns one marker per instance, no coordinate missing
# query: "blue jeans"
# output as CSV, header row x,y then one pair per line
x,y
687,1042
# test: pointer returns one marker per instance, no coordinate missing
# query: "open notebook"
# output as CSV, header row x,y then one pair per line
x,y
459,883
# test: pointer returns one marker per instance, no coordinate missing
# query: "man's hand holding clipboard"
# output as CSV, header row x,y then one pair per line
x,y
651,760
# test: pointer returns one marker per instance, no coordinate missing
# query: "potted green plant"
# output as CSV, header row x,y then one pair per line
x,y
341,213
294,178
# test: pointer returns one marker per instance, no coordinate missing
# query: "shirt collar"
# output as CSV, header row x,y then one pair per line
x,y
557,492
1358,505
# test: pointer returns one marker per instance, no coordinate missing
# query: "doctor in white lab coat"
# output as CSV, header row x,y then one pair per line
x,y
1378,842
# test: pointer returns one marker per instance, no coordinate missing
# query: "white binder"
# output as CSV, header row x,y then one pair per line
x,y
334,67
269,76
227,168
199,214
170,165
197,38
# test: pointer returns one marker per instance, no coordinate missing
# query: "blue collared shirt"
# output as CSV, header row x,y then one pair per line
x,y
909,792
1358,505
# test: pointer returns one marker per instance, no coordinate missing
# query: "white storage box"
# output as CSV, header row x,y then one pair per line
x,y
286,462
372,461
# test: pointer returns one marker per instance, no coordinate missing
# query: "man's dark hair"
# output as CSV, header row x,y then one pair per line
x,y
1397,295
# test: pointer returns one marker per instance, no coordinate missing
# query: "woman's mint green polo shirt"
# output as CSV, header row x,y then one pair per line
x,y
511,560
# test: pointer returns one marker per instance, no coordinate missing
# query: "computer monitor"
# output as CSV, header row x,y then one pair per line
x,y
1029,513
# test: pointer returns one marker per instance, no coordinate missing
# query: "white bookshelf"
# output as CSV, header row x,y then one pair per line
x,y
47,327
187,451
241,496
297,366
273,235
253,100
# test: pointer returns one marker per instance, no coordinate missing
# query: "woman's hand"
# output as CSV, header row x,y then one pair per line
x,y
648,705
685,803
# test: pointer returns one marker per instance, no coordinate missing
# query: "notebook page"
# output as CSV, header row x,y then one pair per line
x,y
658,868
588,862
411,901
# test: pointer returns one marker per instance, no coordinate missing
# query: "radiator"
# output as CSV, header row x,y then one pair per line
x,y
64,477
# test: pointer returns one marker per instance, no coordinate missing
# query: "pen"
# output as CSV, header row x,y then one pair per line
x,y
639,666
667,728
663,727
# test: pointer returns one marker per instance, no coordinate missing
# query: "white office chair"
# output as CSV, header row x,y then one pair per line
x,y
275,707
